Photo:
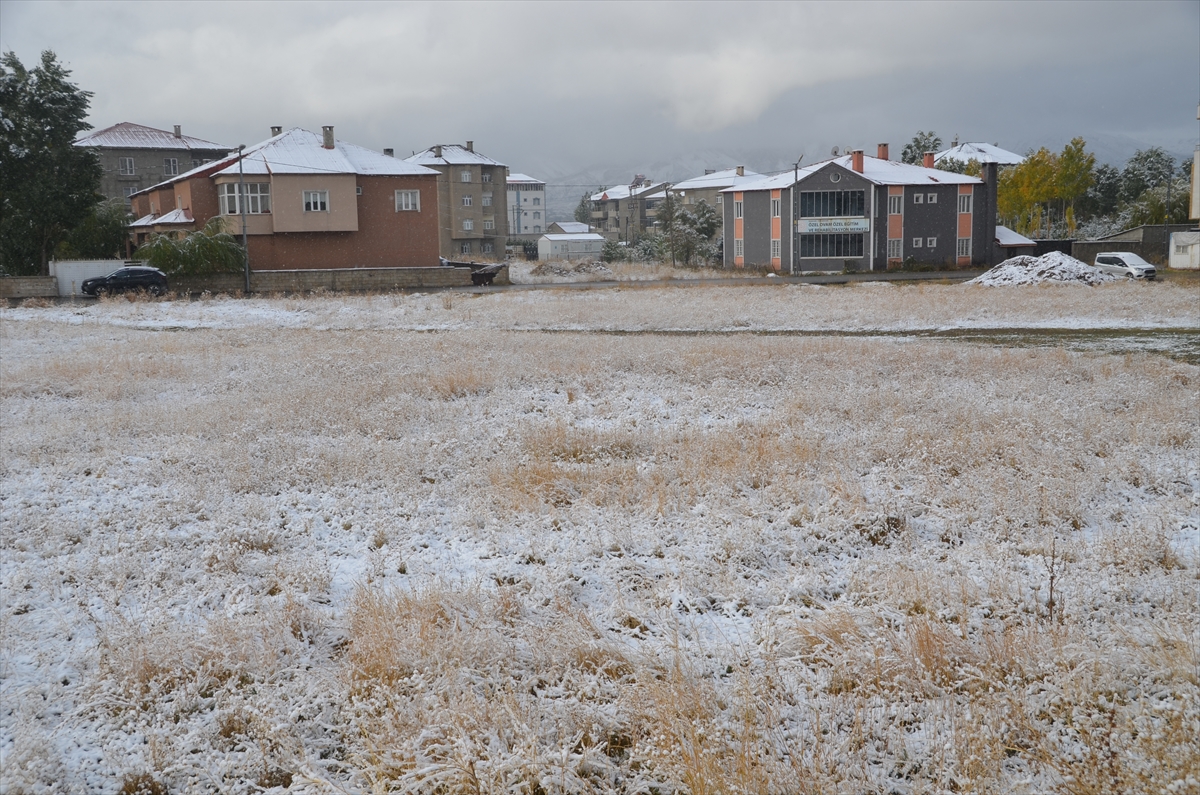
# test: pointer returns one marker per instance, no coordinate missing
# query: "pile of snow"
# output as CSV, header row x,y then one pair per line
x,y
571,269
1052,267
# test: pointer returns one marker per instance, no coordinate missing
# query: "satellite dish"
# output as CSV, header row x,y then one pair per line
x,y
833,151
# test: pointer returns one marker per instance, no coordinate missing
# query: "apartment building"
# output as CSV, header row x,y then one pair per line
x,y
626,212
135,156
708,187
472,200
526,205
861,213
308,201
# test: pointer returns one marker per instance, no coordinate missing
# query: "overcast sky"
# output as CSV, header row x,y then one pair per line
x,y
576,90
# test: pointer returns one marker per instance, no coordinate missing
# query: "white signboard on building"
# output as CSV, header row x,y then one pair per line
x,y
832,225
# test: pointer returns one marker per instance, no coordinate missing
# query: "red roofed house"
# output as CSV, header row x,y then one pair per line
x,y
310,201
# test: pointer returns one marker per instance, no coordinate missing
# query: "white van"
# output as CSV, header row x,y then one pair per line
x,y
1125,263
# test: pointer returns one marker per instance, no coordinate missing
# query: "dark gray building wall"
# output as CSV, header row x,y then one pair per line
x,y
937,220
846,179
149,168
756,229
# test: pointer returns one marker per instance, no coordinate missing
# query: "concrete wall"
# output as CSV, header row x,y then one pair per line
x,y
338,280
28,287
71,274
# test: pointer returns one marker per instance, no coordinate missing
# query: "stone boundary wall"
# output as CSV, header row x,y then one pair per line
x,y
348,280
37,286
1086,250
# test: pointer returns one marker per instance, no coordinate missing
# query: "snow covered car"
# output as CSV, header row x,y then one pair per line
x,y
122,280
1125,263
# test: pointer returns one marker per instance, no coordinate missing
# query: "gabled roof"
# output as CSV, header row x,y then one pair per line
x,y
586,236
625,192
452,155
981,152
173,217
1009,238
718,179
881,172
572,227
523,178
128,135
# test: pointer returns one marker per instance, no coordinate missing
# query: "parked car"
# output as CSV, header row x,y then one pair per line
x,y
1125,263
136,277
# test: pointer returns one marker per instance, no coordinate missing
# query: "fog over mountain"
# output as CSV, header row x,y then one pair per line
x,y
588,94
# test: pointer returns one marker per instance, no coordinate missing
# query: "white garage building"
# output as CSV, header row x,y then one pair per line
x,y
570,247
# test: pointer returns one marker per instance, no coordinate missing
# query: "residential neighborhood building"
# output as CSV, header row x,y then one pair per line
x,y
861,213
1013,244
626,212
472,200
980,153
134,156
308,200
526,205
571,247
568,228
708,187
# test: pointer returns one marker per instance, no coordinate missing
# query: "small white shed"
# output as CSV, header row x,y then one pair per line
x,y
1185,250
570,247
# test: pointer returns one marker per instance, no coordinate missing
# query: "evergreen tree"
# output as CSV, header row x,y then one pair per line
x,y
101,235
583,210
1105,191
47,185
922,142
1147,168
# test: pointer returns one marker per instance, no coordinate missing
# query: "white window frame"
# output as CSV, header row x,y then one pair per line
x,y
739,247
737,209
776,206
966,202
126,167
171,166
316,201
485,177
486,200
408,201
465,176
895,248
487,248
918,198
776,248
488,223
964,247
464,248
917,241
468,225
467,200
258,198
720,199
895,205
931,198
931,242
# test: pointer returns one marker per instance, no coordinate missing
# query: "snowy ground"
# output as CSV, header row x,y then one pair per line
x,y
470,544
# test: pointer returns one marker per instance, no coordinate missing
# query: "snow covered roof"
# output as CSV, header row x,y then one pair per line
x,y
881,172
577,237
982,152
572,227
175,217
452,155
1007,237
624,191
524,178
718,179
145,220
299,151
128,135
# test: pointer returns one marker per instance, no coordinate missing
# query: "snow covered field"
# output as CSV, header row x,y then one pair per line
x,y
470,544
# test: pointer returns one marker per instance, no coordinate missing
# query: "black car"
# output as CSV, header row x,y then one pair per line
x,y
122,280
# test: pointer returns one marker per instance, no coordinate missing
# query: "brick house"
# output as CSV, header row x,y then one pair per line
x,y
472,200
861,213
134,156
310,201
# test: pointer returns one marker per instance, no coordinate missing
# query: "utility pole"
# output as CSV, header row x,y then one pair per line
x,y
1167,217
242,208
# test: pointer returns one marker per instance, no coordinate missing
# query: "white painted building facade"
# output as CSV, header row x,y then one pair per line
x,y
526,205
570,247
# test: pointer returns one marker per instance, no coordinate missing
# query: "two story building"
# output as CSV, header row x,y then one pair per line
x,y
861,213
135,156
472,200
309,201
708,187
526,205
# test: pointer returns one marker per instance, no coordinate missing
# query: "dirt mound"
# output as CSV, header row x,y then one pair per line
x,y
570,268
1052,267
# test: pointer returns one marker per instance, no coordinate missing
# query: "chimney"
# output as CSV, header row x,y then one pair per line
x,y
327,136
929,160
856,160
275,131
470,146
178,131
883,152
437,150
741,171
389,152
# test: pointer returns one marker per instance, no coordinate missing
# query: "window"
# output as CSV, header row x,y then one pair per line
x,y
129,191
358,190
833,203
536,215
465,176
834,245
536,201
739,248
465,248
487,200
467,200
408,200
487,248
537,228
488,223
918,198
964,247
316,201
468,225
125,166
894,248
737,209
964,202
917,242
720,199
895,205
195,162
931,242
931,199
170,166
775,207
257,198
775,248
486,178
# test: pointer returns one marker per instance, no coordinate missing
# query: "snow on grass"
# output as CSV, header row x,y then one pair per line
x,y
1053,266
307,544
